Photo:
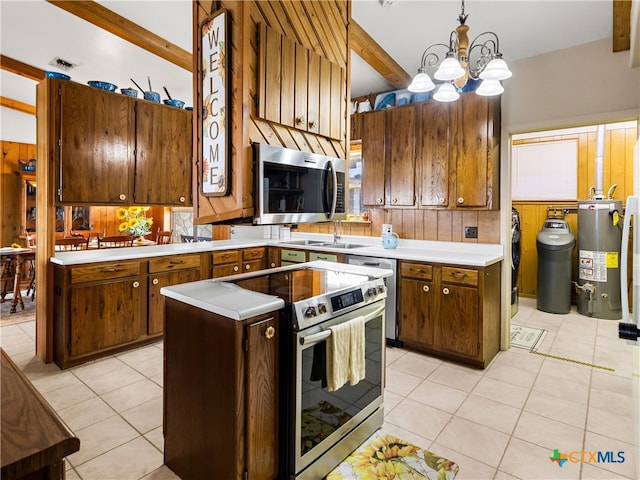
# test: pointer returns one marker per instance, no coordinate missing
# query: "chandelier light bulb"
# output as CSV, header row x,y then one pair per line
x,y
489,88
497,69
446,93
421,83
449,69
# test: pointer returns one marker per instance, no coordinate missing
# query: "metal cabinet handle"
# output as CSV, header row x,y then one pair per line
x,y
445,290
122,196
155,281
460,200
459,274
425,288
270,333
235,268
136,284
419,270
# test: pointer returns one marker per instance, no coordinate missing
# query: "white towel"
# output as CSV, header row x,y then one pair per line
x,y
338,353
345,354
358,362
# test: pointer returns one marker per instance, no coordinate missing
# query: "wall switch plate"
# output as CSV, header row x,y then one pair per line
x,y
470,232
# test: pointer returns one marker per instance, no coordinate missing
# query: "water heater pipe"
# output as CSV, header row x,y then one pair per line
x,y
599,190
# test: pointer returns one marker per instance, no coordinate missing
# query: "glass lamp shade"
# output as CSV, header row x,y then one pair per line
x,y
421,83
489,88
496,69
449,69
446,93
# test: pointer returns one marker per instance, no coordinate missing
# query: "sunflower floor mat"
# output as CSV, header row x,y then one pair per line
x,y
385,457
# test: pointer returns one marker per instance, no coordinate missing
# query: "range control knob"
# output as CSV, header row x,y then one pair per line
x,y
310,311
380,288
371,291
322,308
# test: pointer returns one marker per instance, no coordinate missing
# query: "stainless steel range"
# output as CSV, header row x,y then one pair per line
x,y
319,427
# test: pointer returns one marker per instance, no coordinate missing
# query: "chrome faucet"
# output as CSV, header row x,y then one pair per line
x,y
336,235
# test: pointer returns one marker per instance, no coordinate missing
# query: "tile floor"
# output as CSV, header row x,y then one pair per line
x,y
499,423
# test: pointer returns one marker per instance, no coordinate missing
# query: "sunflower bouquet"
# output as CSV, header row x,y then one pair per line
x,y
134,221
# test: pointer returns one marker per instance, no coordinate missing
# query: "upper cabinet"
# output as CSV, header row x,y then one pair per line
x,y
445,155
299,88
113,149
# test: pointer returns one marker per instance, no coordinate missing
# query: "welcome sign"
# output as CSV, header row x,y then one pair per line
x,y
214,105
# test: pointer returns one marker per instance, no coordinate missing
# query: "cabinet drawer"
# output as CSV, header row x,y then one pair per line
x,y
323,256
295,256
226,256
105,271
253,253
416,270
174,262
463,276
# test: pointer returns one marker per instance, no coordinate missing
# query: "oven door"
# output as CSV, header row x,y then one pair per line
x,y
328,425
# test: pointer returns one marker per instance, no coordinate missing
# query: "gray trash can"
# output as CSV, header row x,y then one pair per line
x,y
554,245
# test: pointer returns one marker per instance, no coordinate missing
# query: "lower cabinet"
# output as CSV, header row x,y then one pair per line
x,y
231,262
220,395
103,308
450,311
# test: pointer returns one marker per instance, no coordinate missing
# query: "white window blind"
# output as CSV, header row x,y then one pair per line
x,y
545,171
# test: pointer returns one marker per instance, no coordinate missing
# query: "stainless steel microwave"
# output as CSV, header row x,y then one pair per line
x,y
298,187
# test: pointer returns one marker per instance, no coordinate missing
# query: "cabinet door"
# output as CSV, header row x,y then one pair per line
x,y
459,320
163,155
313,94
155,315
470,151
261,383
373,166
434,153
401,156
416,311
96,146
105,315
324,96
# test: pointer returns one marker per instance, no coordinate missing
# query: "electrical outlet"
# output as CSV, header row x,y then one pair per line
x,y
470,232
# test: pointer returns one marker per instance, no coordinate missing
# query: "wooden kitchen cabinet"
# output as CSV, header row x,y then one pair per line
x,y
163,155
450,311
98,309
389,153
164,271
434,153
220,394
114,149
231,262
254,259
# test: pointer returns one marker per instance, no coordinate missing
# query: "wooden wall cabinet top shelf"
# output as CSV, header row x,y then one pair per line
x,y
431,154
111,149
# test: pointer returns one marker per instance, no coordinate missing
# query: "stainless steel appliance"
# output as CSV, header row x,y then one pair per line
x,y
318,427
391,326
298,187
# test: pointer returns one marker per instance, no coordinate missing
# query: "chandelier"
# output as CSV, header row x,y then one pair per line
x,y
479,61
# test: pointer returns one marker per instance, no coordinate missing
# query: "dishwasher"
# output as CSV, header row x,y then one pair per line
x,y
391,327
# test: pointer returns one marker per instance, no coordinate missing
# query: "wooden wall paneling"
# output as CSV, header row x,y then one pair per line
x,y
445,221
457,226
617,162
429,225
287,85
489,226
11,188
470,219
631,137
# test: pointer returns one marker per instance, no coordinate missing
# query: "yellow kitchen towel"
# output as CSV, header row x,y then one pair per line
x,y
357,363
338,353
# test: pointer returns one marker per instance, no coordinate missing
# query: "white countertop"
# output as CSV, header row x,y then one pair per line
x,y
456,253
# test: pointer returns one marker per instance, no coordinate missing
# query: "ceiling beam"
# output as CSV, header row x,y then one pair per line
x,y
372,53
621,25
113,23
16,105
22,69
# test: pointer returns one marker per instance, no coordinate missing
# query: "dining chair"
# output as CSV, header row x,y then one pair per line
x,y
71,243
164,237
30,241
115,241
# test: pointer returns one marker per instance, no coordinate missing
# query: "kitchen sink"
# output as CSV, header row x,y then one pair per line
x,y
343,245
305,242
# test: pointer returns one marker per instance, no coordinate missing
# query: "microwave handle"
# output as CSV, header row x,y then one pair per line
x,y
324,334
334,202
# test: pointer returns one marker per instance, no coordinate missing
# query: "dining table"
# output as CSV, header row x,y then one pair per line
x,y
12,260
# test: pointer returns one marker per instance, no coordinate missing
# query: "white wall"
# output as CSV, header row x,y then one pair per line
x,y
17,126
582,85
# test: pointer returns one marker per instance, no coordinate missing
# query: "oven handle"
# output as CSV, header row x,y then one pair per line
x,y
324,334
